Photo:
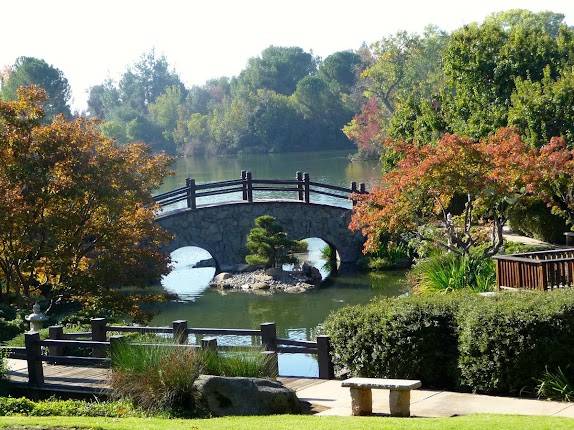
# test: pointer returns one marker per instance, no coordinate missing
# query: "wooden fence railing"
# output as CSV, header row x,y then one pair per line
x,y
541,270
103,337
301,186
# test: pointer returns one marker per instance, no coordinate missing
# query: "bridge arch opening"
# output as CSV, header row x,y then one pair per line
x,y
320,254
192,269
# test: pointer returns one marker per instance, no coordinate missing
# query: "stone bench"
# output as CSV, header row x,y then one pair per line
x,y
399,396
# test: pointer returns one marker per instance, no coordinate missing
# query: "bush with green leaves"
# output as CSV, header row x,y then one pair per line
x,y
66,408
506,342
268,244
448,272
494,345
413,337
534,219
391,255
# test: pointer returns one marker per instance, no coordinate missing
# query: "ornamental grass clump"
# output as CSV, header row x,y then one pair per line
x,y
556,385
159,377
156,378
448,272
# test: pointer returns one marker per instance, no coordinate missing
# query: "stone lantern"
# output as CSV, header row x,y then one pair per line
x,y
36,318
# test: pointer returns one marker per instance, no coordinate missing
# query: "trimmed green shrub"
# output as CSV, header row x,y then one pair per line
x,y
10,329
506,342
495,345
533,218
65,408
413,337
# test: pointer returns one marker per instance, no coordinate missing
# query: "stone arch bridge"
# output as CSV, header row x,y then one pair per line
x,y
221,227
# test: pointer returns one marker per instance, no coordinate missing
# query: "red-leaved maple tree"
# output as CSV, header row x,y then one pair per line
x,y
422,189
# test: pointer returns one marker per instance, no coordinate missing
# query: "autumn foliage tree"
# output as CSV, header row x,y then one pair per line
x,y
422,190
76,212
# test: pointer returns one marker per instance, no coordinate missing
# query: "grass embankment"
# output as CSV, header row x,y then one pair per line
x,y
280,422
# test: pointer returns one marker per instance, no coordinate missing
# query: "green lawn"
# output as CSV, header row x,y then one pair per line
x,y
285,422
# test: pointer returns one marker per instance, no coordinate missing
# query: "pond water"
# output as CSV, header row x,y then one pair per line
x,y
296,315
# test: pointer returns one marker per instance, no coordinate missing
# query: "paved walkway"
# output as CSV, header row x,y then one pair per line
x,y
331,399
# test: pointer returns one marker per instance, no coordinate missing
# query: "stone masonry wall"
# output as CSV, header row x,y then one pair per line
x,y
222,229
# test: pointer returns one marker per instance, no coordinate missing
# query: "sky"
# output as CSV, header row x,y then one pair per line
x,y
93,40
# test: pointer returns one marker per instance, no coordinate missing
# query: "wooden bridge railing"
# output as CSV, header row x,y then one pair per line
x,y
541,270
248,186
100,342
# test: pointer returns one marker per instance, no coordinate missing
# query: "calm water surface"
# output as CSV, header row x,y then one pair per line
x,y
296,315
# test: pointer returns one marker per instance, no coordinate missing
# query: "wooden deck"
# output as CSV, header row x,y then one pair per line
x,y
60,379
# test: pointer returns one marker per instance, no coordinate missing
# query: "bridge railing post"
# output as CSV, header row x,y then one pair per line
x,y
99,334
180,332
326,368
299,177
307,190
34,358
354,190
249,187
56,332
244,184
209,344
190,184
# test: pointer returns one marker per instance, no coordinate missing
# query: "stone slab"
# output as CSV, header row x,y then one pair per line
x,y
379,383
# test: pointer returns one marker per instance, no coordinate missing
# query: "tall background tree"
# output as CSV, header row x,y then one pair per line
x,y
285,99
35,71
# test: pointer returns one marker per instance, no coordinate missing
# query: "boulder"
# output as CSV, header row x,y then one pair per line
x,y
220,277
312,274
223,396
262,277
221,281
260,286
276,273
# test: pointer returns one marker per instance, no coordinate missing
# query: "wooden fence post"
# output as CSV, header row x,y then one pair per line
x,y
326,368
307,190
179,331
190,184
55,332
209,344
99,334
362,188
115,342
249,187
33,358
300,186
354,190
269,342
269,336
244,184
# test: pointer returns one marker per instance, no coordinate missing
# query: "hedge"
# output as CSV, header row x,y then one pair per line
x,y
398,338
507,342
494,345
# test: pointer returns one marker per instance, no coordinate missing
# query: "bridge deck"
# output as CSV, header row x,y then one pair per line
x,y
89,380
